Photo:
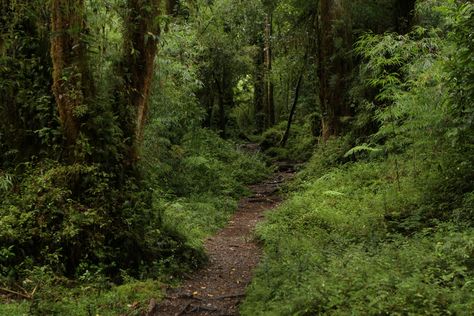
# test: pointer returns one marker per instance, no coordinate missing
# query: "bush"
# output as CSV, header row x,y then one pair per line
x,y
332,248
63,216
203,182
299,146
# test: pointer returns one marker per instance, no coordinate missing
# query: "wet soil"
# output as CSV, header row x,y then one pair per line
x,y
219,287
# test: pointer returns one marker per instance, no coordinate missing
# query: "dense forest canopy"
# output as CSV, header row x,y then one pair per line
x,y
123,128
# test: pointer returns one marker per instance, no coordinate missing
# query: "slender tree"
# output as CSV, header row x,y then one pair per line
x,y
293,109
269,105
140,48
259,84
295,101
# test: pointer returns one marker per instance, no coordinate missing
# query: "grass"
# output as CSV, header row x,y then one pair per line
x,y
129,299
352,239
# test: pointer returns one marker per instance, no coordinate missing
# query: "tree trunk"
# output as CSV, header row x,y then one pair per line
x,y
206,99
221,104
259,87
72,80
140,48
405,12
333,67
268,93
210,107
293,109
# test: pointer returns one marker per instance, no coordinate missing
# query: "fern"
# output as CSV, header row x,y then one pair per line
x,y
361,148
6,182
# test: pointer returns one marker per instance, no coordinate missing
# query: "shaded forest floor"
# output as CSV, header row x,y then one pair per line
x,y
219,287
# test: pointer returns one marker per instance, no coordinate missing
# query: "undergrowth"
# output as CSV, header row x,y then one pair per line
x,y
81,262
131,298
298,148
387,226
357,240
199,181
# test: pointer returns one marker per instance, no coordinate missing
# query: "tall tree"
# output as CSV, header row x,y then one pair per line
x,y
259,85
140,48
293,108
269,105
72,81
334,66
73,84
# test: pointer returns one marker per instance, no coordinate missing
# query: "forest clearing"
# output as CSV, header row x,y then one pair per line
x,y
236,157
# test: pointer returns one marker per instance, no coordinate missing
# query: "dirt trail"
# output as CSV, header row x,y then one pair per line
x,y
219,287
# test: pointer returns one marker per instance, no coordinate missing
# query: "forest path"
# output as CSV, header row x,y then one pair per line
x,y
219,287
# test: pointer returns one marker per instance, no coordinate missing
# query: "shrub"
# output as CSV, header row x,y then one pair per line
x,y
299,146
64,216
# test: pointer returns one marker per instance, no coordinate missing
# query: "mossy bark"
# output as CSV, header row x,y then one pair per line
x,y
140,48
72,80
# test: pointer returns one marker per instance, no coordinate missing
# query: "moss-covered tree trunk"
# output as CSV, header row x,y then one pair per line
x,y
73,84
72,81
334,66
140,47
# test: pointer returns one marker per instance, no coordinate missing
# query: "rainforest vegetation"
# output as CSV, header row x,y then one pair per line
x,y
124,135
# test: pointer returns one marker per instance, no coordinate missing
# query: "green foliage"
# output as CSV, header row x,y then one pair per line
x,y
66,216
214,165
27,116
332,249
392,232
243,113
92,298
461,74
299,145
198,216
325,157
175,108
421,112
361,148
377,16
96,222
